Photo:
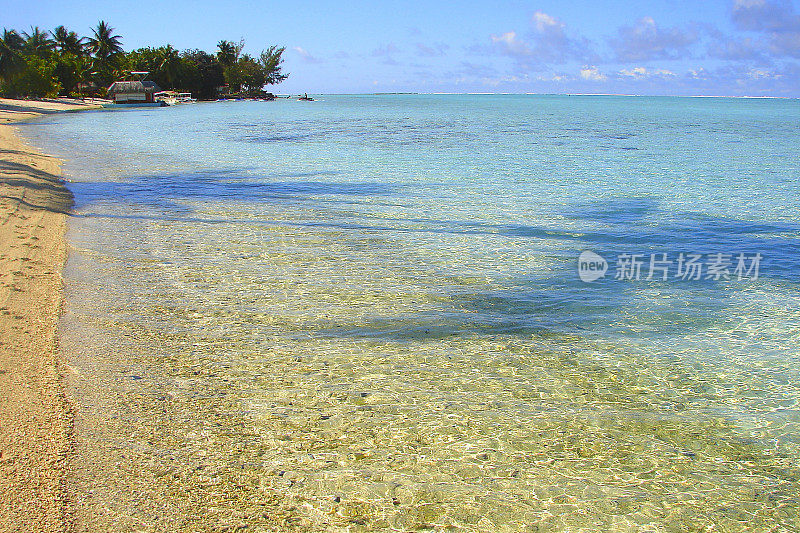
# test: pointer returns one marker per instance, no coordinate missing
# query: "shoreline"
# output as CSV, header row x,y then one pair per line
x,y
36,418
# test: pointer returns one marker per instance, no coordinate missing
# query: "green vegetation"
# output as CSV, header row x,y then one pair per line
x,y
46,64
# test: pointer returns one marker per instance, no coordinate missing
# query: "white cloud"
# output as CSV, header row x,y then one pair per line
x,y
637,72
592,74
760,73
545,22
646,40
546,42
698,74
511,44
642,72
776,20
306,56
554,77
511,79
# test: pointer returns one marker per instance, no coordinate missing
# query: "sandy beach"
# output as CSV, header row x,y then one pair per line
x,y
35,416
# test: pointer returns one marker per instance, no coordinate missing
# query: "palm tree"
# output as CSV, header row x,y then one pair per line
x,y
11,46
228,52
68,41
104,45
107,50
170,64
13,40
38,42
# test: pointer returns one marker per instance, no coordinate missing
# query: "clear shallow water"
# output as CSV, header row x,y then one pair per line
x,y
365,313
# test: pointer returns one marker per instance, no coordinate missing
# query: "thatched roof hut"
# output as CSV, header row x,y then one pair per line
x,y
123,92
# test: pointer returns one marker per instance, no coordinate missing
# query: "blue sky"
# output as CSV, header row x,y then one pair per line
x,y
730,47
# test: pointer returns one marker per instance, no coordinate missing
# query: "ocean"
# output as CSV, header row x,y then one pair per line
x,y
368,313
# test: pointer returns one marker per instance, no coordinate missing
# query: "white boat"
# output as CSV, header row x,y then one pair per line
x,y
174,98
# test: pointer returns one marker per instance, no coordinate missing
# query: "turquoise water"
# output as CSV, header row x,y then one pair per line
x,y
365,313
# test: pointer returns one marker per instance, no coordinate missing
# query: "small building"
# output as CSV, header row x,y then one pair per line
x,y
139,91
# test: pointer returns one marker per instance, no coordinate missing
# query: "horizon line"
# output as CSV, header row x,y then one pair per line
x,y
409,93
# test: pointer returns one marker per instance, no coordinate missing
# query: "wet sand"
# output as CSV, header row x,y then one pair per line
x,y
35,416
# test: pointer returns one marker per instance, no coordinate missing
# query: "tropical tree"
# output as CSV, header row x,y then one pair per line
x,y
36,79
204,74
243,72
70,70
11,48
38,63
38,43
228,52
104,44
271,60
250,74
68,42
72,62
163,63
27,66
106,49
170,66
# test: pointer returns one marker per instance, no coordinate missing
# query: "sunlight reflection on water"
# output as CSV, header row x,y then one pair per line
x,y
372,318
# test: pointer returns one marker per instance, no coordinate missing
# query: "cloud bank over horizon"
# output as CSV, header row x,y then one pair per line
x,y
757,54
